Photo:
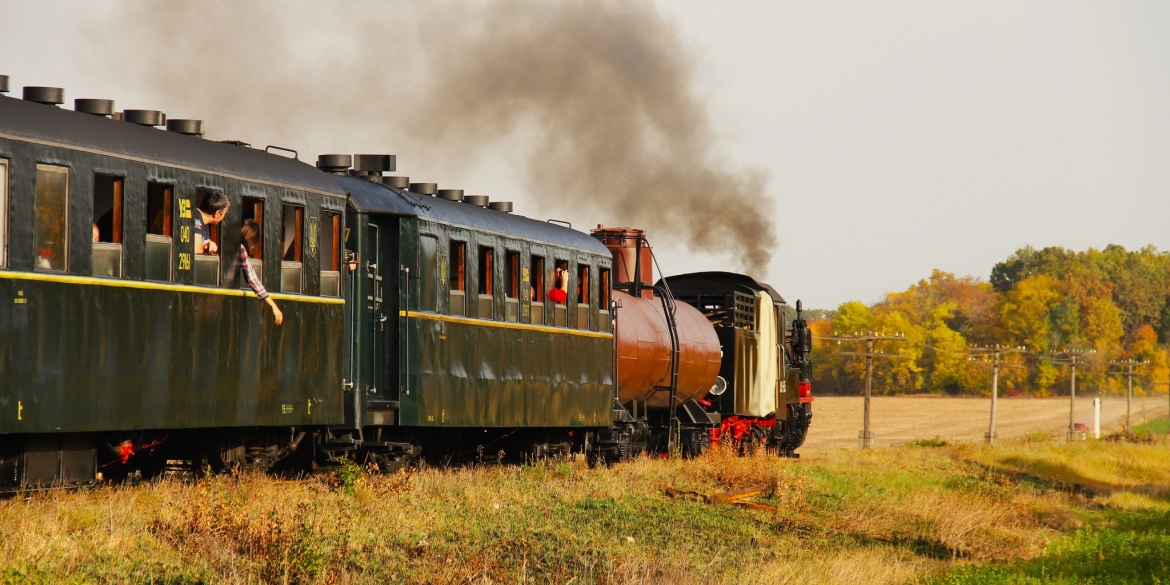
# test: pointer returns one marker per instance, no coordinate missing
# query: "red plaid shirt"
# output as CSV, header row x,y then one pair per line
x,y
250,274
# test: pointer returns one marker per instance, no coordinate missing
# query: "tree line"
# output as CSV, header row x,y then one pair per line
x,y
1112,304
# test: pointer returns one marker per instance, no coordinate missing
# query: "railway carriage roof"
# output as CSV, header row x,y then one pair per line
x,y
42,124
376,198
719,283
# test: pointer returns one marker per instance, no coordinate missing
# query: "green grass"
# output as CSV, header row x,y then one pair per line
x,y
1128,549
1158,426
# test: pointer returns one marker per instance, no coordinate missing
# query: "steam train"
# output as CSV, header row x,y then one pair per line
x,y
418,322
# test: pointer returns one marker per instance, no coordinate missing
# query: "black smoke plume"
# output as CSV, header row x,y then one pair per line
x,y
595,98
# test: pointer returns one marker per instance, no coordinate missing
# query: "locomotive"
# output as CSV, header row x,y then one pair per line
x,y
418,321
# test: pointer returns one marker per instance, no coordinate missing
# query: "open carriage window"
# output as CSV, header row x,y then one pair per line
x,y
512,286
107,226
51,233
582,284
559,292
291,249
330,256
160,200
206,261
486,282
3,212
457,277
512,276
536,290
582,296
252,236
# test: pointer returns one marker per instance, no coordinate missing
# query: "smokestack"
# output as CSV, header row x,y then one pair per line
x,y
396,182
424,188
95,107
188,127
504,206
50,96
338,164
150,118
476,200
451,194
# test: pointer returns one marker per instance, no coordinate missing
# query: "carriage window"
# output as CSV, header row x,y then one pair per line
x,y
330,259
3,212
603,321
536,290
290,245
512,287
200,196
536,273
456,279
560,299
512,276
427,278
486,272
159,217
252,235
107,226
583,285
582,297
603,290
51,231
206,261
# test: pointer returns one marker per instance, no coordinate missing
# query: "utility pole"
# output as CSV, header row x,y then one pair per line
x,y
993,356
869,337
1071,357
1129,365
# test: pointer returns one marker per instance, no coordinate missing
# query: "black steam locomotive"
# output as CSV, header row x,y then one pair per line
x,y
418,322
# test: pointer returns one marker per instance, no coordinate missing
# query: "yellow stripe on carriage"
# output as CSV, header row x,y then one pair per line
x,y
139,284
504,325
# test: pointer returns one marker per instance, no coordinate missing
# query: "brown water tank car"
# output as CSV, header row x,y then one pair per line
x,y
643,334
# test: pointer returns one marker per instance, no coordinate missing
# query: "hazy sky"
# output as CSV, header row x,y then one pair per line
x,y
897,137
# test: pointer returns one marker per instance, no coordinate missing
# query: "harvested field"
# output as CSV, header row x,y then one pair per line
x,y
897,420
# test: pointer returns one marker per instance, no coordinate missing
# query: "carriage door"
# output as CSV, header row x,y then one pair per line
x,y
374,297
381,299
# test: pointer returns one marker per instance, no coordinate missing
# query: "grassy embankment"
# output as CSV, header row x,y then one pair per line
x,y
958,513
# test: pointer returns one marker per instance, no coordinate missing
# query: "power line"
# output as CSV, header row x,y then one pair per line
x,y
1071,357
1129,365
993,356
869,354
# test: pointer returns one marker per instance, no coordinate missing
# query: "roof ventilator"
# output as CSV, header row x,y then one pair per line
x,y
504,206
396,182
451,194
476,200
51,96
371,166
150,118
3,84
338,164
188,127
424,188
94,107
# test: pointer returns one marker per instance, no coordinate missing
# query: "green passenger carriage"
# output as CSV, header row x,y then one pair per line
x,y
416,321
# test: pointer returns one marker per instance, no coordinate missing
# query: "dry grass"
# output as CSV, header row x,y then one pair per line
x,y
883,516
